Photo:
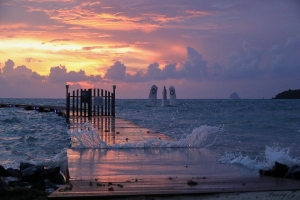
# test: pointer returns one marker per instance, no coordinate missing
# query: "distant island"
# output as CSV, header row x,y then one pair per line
x,y
234,96
289,94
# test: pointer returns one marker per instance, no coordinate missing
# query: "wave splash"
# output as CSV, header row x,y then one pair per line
x,y
203,137
271,155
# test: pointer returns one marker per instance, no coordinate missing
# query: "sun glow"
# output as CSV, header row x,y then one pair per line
x,y
40,56
37,45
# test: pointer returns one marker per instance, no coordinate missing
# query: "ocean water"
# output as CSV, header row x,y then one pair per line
x,y
250,133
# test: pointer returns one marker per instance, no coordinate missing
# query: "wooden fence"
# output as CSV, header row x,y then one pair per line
x,y
91,102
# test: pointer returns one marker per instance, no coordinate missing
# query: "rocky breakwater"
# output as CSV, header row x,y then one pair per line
x,y
282,171
31,176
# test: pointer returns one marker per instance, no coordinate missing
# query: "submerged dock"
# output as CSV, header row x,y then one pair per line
x,y
170,173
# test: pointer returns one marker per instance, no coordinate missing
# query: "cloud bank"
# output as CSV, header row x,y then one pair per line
x,y
279,62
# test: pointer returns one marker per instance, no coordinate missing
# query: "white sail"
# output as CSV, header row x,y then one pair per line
x,y
173,100
164,97
152,96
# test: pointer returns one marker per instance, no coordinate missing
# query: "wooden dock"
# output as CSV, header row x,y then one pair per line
x,y
114,172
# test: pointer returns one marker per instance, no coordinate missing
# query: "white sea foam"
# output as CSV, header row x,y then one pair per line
x,y
201,137
271,155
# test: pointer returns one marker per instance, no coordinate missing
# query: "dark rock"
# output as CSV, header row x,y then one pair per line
x,y
269,172
3,184
51,172
296,174
3,172
58,179
25,165
40,185
31,174
278,170
49,184
42,172
290,172
15,172
18,184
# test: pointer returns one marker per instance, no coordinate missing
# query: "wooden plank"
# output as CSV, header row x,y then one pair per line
x,y
176,186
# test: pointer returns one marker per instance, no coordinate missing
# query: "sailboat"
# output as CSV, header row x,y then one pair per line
x,y
152,96
164,97
173,100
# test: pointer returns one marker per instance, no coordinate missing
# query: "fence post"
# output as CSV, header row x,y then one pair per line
x,y
102,103
68,108
109,104
94,107
77,105
105,103
67,103
67,91
73,104
113,101
98,107
80,103
90,96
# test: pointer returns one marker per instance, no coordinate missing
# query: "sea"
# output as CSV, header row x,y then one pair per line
x,y
250,133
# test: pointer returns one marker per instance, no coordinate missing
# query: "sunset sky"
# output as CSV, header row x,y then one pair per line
x,y
206,49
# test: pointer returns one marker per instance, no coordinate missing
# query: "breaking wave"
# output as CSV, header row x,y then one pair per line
x,y
202,137
271,155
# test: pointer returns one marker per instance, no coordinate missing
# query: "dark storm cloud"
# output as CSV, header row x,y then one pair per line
x,y
195,68
8,67
116,71
37,76
169,71
153,72
286,59
18,76
240,65
243,65
59,74
22,74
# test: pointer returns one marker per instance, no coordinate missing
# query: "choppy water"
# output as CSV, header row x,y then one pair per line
x,y
251,133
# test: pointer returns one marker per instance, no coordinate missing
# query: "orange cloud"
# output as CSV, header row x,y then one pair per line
x,y
40,1
13,26
196,13
80,16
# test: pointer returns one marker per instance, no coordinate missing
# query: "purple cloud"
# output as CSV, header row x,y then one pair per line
x,y
286,59
116,71
59,74
8,67
243,65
